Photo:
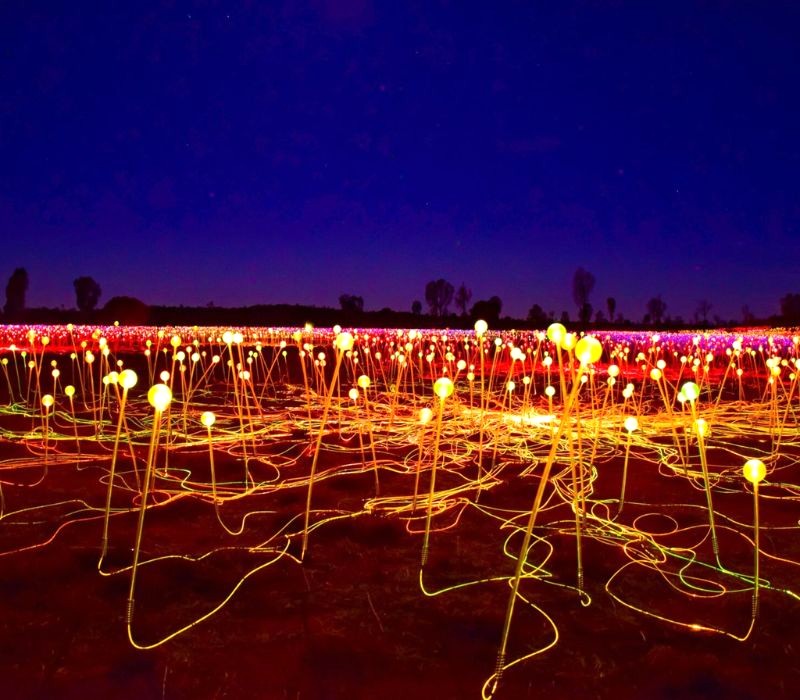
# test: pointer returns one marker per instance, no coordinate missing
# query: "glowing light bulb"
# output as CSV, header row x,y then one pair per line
x,y
550,391
364,381
631,424
69,390
556,332
47,401
481,327
701,427
655,374
208,419
344,342
627,392
613,371
159,396
227,337
443,387
754,470
588,350
691,391
164,376
353,394
425,415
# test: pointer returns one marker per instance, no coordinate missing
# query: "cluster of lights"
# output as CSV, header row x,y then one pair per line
x,y
575,406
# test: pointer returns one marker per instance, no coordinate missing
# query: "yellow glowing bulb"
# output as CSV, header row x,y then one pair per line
x,y
754,470
701,427
691,391
127,379
481,327
175,341
555,332
344,342
425,415
627,392
613,371
364,381
511,385
443,387
159,396
47,400
655,374
353,394
588,350
550,391
69,390
208,418
568,341
631,424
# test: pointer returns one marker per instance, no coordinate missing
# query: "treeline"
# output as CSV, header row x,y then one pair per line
x,y
440,296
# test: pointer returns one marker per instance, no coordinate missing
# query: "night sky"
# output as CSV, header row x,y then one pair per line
x,y
266,152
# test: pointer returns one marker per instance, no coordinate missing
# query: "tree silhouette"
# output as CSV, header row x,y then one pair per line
x,y
703,309
87,293
488,309
611,305
656,308
438,294
462,298
126,310
582,286
351,303
790,308
416,307
537,317
15,292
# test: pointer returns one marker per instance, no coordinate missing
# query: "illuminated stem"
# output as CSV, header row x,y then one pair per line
x,y
537,501
325,410
111,474
148,475
755,551
624,473
433,483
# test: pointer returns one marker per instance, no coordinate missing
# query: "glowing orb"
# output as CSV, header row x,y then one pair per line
x,y
691,391
443,387
47,400
701,427
69,390
631,424
353,394
208,418
159,396
364,381
425,415
344,341
556,332
754,470
588,350
550,391
481,327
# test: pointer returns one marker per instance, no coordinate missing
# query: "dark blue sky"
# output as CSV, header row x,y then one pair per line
x,y
263,152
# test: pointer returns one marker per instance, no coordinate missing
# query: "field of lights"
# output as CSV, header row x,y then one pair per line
x,y
325,513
